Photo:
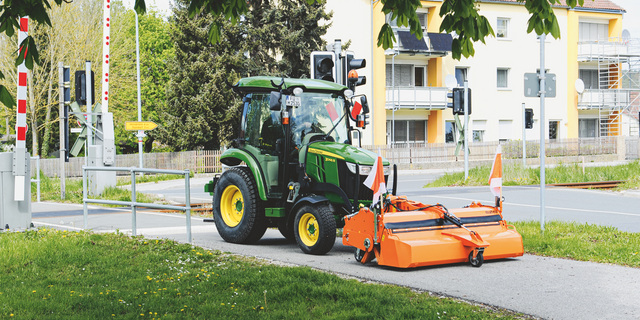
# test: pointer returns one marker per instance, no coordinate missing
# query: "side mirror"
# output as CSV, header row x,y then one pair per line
x,y
274,101
365,104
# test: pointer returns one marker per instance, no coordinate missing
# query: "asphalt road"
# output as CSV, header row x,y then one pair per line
x,y
543,287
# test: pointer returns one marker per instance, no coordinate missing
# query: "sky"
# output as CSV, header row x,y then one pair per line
x,y
631,19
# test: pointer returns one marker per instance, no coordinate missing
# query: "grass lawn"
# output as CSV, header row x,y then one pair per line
x,y
79,275
515,174
583,242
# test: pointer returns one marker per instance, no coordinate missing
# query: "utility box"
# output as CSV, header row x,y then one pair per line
x,y
14,214
98,180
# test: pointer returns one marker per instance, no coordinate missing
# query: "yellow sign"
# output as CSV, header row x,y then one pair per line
x,y
139,125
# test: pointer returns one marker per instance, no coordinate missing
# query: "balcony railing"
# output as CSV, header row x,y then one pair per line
x,y
606,98
614,47
429,98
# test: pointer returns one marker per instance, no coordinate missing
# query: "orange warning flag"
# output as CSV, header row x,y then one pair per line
x,y
495,179
375,180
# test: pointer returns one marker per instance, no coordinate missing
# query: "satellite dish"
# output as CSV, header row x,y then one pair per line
x,y
579,86
626,35
450,81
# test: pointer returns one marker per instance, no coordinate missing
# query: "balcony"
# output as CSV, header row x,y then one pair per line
x,y
426,98
604,98
614,48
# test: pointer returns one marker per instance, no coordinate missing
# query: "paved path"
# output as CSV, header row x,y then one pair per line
x,y
543,287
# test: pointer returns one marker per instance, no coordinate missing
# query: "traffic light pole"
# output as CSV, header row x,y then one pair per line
x,y
524,137
466,130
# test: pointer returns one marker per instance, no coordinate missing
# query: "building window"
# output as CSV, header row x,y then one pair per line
x,y
553,129
462,76
403,75
589,77
503,78
505,130
588,31
479,127
588,128
502,29
422,17
408,131
419,76
450,132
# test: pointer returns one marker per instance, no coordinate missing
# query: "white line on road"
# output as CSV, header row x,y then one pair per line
x,y
537,206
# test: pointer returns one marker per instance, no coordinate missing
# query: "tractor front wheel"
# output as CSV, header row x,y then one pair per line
x,y
315,228
237,208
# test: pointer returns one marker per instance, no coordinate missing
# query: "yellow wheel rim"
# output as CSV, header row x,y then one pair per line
x,y
231,206
308,230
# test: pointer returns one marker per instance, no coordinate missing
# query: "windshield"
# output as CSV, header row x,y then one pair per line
x,y
318,113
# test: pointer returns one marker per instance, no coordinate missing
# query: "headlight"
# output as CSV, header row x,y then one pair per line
x,y
365,170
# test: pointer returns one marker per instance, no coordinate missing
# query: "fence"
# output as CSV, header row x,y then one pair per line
x,y
208,161
201,161
420,153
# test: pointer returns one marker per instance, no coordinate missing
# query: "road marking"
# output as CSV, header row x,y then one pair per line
x,y
537,206
56,225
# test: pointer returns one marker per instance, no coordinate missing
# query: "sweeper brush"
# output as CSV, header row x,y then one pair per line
x,y
408,234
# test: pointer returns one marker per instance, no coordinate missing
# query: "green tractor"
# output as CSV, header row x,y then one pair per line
x,y
294,165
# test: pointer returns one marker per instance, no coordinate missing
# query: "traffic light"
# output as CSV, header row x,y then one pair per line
x,y
457,100
81,88
322,65
352,64
528,118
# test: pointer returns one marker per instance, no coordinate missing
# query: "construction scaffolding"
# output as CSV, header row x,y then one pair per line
x,y
616,93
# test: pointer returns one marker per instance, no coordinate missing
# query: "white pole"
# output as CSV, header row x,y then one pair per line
x,y
88,82
466,130
140,132
524,137
63,147
393,111
542,132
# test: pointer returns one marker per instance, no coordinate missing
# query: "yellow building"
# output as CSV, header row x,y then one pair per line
x,y
406,84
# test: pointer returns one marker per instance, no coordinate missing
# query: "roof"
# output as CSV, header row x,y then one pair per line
x,y
310,84
588,4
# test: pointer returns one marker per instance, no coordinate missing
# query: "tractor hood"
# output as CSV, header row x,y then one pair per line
x,y
345,152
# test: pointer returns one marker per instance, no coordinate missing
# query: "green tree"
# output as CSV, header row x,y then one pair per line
x,y
156,49
202,111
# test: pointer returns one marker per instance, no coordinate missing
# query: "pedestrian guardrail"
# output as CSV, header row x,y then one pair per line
x,y
133,203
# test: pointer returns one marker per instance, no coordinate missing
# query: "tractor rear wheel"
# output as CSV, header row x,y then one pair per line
x,y
238,210
315,228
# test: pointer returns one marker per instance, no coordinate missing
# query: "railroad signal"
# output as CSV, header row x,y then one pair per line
x,y
457,100
322,65
528,118
81,88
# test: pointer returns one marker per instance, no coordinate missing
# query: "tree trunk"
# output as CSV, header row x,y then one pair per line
x,y
47,123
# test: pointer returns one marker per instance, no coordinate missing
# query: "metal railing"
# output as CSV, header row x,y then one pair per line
x,y
37,179
133,203
416,97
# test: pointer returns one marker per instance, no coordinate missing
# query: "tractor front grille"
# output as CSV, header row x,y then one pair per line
x,y
348,181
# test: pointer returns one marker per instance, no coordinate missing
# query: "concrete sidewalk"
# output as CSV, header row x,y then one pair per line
x,y
548,288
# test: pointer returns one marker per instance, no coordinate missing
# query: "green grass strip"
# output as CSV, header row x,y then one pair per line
x,y
50,191
56,274
584,242
515,174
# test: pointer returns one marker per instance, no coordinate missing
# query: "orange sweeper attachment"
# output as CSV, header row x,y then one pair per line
x,y
406,234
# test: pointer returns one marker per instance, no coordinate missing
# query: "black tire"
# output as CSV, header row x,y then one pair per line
x,y
315,228
359,254
238,210
478,261
286,230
